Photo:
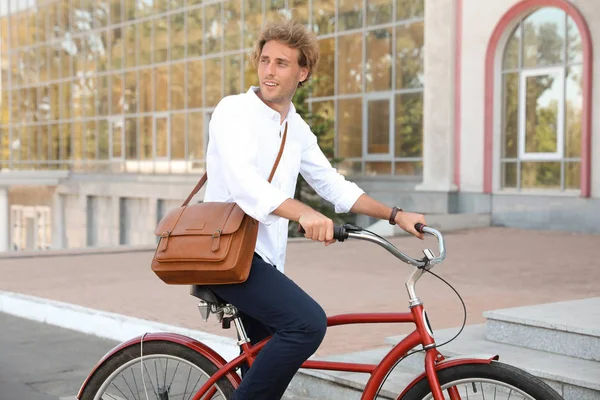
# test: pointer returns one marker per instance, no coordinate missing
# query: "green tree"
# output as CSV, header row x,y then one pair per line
x,y
322,126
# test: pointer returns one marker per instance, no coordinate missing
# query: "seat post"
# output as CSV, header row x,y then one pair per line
x,y
241,331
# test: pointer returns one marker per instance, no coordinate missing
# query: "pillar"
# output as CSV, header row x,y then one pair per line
x,y
59,237
438,107
4,220
114,226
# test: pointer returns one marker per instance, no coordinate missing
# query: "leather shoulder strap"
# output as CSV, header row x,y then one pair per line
x,y
279,155
205,176
196,189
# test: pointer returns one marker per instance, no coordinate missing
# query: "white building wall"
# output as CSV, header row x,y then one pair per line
x,y
75,220
438,97
591,12
479,19
478,22
171,204
59,239
141,194
141,214
4,219
106,225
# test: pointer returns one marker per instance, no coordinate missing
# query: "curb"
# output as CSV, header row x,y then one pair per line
x,y
86,251
101,323
121,328
73,252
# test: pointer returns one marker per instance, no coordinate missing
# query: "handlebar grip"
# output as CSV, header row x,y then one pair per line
x,y
339,232
419,227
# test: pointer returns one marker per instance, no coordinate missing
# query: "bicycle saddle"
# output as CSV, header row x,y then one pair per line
x,y
203,293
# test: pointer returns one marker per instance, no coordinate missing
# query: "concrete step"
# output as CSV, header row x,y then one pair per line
x,y
570,328
573,378
291,396
333,385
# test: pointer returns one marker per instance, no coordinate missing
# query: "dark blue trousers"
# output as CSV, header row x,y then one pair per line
x,y
272,304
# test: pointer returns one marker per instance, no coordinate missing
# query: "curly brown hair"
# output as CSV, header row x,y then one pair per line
x,y
294,35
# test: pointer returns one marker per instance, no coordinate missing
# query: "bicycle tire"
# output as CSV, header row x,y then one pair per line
x,y
153,349
494,372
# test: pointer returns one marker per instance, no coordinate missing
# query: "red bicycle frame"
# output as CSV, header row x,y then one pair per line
x,y
421,336
378,372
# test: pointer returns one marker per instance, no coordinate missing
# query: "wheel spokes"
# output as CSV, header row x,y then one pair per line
x,y
160,377
483,389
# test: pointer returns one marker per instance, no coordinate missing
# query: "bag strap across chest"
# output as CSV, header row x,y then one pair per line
x,y
202,181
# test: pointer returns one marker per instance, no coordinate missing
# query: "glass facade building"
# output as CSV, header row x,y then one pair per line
x,y
129,85
438,106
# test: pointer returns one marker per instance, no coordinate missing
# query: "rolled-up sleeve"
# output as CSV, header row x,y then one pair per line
x,y
237,150
325,180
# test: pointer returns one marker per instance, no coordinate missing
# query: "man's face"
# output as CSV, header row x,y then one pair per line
x,y
279,72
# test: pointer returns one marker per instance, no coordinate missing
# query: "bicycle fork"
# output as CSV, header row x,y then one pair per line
x,y
431,358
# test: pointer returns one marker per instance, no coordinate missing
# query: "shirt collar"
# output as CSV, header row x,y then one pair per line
x,y
268,111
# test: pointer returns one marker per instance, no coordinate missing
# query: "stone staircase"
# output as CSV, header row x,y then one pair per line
x,y
569,328
558,342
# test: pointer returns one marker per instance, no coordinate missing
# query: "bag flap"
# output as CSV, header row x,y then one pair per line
x,y
201,219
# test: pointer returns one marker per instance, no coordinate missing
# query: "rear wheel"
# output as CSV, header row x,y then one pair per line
x,y
494,381
170,371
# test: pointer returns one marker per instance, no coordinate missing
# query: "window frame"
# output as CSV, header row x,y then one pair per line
x,y
112,122
494,158
167,118
367,98
558,155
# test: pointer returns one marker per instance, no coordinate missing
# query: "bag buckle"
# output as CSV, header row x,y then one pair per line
x,y
165,236
216,240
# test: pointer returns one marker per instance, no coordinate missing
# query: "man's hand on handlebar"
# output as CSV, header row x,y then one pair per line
x,y
408,220
317,227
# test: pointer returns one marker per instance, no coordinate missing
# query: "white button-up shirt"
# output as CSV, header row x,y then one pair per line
x,y
244,139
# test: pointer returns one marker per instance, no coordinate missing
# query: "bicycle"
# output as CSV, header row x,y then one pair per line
x,y
208,376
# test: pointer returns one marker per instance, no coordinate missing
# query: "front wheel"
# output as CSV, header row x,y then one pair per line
x,y
164,371
494,381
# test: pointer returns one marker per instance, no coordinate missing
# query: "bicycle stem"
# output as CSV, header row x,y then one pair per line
x,y
410,283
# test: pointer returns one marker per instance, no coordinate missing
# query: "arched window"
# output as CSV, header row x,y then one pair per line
x,y
542,104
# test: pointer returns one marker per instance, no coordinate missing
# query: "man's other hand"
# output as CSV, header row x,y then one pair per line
x,y
407,221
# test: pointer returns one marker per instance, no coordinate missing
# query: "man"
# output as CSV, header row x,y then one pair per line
x,y
245,135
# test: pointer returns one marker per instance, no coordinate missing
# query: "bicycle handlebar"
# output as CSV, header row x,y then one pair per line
x,y
343,232
419,227
339,232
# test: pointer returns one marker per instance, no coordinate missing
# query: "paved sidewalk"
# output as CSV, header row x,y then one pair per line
x,y
44,362
491,268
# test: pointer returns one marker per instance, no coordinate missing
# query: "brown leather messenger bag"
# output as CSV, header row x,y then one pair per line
x,y
209,243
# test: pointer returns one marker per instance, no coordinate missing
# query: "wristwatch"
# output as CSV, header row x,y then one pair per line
x,y
392,219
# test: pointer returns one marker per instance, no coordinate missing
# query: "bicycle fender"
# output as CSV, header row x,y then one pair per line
x,y
452,362
192,344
